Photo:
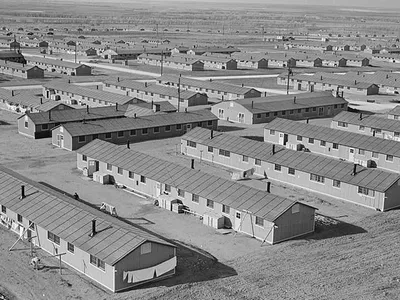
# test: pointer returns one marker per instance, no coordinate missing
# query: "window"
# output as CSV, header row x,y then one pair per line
x,y
275,113
167,188
145,131
258,116
120,134
97,262
361,128
335,106
291,171
272,132
377,130
397,134
45,126
142,179
317,178
26,124
277,167
322,143
283,112
295,208
226,209
238,215
145,248
210,149
224,153
3,209
361,151
257,162
299,138
181,193
389,157
70,247
335,146
168,128
210,203
84,157
311,140
81,139
307,110
259,221
19,218
131,175
120,171
299,110
195,198
336,183
108,135
191,144
156,129
95,136
132,132
109,167
375,154
314,109
245,158
209,123
291,112
366,191
54,238
178,126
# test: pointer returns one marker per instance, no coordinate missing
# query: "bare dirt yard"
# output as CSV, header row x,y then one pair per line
x,y
352,255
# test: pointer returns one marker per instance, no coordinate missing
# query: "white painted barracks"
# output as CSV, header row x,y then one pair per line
x,y
221,202
373,188
112,253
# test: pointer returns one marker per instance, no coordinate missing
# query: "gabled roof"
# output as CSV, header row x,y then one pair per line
x,y
176,58
17,66
71,220
88,92
286,102
75,115
368,121
346,138
233,194
395,111
55,62
153,88
151,121
374,179
211,85
30,98
8,54
49,105
145,108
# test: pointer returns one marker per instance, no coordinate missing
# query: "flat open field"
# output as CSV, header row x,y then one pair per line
x,y
352,255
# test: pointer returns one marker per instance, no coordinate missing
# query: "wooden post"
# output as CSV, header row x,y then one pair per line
x,y
60,265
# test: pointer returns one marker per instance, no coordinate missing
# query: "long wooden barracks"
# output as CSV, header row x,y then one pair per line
x,y
221,202
112,253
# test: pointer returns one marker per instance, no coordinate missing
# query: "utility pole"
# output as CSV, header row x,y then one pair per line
x,y
157,29
179,91
288,79
75,52
162,61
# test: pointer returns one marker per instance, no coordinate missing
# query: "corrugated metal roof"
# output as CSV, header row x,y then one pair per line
x,y
153,88
56,62
88,92
122,124
368,121
236,195
74,115
374,179
71,220
350,139
211,85
287,102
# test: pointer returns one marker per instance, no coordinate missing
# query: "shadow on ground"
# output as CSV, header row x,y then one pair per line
x,y
327,227
254,138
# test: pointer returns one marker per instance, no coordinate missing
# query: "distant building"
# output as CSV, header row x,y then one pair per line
x,y
20,70
12,56
60,66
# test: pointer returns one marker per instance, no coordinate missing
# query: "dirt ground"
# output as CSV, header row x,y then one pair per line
x,y
352,255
